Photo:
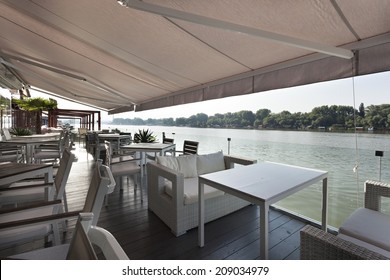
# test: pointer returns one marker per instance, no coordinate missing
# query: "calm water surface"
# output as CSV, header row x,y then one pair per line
x,y
333,152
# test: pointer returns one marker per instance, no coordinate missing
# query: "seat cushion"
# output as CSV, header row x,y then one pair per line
x,y
369,226
16,235
365,245
191,191
124,168
22,195
210,163
23,234
51,253
183,164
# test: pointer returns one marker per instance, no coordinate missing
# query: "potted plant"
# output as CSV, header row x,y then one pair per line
x,y
20,131
144,136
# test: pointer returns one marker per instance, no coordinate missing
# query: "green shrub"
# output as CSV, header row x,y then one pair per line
x,y
20,131
144,136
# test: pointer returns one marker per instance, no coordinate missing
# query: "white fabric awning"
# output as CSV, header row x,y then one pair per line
x,y
159,53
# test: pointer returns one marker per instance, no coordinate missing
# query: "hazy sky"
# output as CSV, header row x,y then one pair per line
x,y
370,89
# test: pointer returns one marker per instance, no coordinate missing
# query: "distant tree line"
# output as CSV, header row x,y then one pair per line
x,y
334,117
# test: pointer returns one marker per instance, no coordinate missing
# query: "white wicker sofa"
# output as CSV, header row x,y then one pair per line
x,y
173,189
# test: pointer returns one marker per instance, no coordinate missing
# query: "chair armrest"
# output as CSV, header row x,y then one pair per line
x,y
156,175
5,149
34,220
55,144
31,206
135,160
156,200
40,220
374,191
155,169
110,247
317,244
123,157
231,160
29,187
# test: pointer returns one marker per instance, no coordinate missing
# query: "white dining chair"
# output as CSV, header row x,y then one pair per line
x,y
31,190
87,243
41,220
124,166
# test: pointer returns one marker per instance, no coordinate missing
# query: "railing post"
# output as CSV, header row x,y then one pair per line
x,y
380,155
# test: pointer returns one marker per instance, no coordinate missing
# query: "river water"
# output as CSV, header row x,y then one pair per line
x,y
348,157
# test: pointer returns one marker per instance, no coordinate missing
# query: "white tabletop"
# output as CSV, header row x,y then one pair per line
x,y
103,135
29,141
265,181
148,147
51,135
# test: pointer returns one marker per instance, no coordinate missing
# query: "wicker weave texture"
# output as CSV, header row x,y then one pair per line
x,y
319,245
374,191
177,216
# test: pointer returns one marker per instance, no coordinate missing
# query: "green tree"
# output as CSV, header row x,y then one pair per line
x,y
260,115
168,122
192,121
285,120
201,120
138,121
247,118
216,121
270,121
229,119
181,121
337,116
37,105
377,116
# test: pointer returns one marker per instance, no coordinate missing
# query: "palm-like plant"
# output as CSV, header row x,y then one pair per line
x,y
20,131
144,136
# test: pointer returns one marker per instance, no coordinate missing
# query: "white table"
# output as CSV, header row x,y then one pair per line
x,y
46,136
144,148
29,143
262,184
114,138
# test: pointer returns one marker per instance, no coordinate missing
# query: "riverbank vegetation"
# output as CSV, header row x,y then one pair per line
x,y
334,117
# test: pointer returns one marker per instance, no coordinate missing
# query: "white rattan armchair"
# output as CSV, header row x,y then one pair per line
x,y
171,208
364,235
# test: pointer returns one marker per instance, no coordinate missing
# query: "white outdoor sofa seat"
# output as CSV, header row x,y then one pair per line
x,y
173,189
369,226
191,191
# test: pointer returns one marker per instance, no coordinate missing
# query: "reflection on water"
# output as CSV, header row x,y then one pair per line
x,y
333,152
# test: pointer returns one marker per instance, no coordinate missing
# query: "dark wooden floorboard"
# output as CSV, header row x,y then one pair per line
x,y
143,235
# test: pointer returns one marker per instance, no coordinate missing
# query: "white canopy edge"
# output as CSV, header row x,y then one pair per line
x,y
371,56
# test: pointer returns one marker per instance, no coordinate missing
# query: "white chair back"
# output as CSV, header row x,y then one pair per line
x,y
7,134
102,183
83,245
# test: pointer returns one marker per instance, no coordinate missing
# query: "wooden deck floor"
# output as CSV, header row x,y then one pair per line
x,y
144,236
